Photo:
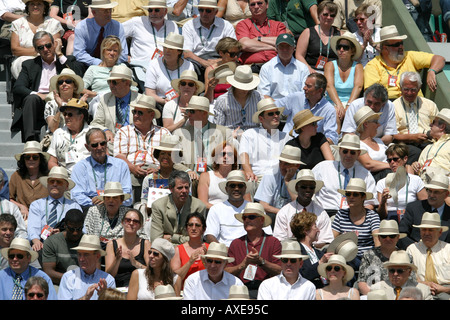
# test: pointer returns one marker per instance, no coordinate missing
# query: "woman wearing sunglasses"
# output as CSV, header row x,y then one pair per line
x,y
345,75
338,273
36,288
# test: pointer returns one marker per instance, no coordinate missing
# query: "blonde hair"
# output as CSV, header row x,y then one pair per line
x,y
108,42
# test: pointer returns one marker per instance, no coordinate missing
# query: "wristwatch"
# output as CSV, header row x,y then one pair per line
x,y
263,262
259,38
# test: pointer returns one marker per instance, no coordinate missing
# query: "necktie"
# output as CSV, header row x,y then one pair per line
x,y
53,214
121,112
347,178
430,272
413,125
397,292
96,52
18,289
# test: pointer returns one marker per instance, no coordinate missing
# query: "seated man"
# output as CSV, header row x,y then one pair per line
x,y
386,68
258,35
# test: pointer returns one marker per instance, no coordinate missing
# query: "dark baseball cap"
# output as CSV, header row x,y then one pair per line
x,y
286,38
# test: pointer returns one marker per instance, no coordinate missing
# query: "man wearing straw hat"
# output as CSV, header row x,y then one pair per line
x,y
13,279
46,214
86,281
432,255
393,60
289,284
90,32
202,34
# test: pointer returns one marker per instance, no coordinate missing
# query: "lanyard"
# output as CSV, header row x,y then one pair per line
x,y
260,249
167,70
437,149
154,33
207,38
406,113
46,209
339,174
328,44
95,176
263,34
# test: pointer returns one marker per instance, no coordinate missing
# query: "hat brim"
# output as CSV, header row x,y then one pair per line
x,y
126,196
369,195
400,234
43,181
223,184
209,6
157,112
34,254
349,271
358,49
309,121
200,85
102,252
45,154
347,236
293,183
214,256
371,117
77,78
388,264
103,6
244,86
292,256
267,219
431,226
391,38
336,147
255,116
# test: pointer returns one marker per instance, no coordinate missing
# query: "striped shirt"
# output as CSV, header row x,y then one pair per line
x,y
137,147
342,224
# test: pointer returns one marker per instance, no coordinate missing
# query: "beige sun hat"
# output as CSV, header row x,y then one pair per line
x,y
364,114
265,105
166,292
235,176
102,4
223,71
174,41
75,103
146,102
188,75
444,114
349,37
169,143
357,185
57,172
90,242
238,292
291,249
390,33
244,78
351,142
32,147
208,4
121,72
291,154
20,244
199,103
49,1
389,227
431,220
67,73
255,208
303,118
438,181
346,245
114,189
399,258
164,246
378,294
156,4
217,250
395,181
340,261
305,175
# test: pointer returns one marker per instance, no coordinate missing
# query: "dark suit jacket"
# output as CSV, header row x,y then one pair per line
x,y
413,216
309,270
29,79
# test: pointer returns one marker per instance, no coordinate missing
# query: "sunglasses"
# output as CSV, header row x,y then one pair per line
x,y
259,3
359,19
68,81
191,111
234,185
156,10
205,10
352,152
250,216
114,82
395,159
307,187
74,229
413,90
68,114
395,45
271,114
214,261
33,294
31,157
384,236
329,15
346,47
190,84
353,194
335,268
129,220
138,112
47,45
19,256
95,145
154,253
399,271
228,154
291,260
234,54
197,225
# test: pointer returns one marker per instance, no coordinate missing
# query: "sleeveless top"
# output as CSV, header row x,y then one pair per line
x,y
313,52
184,257
344,89
350,292
126,268
234,12
215,195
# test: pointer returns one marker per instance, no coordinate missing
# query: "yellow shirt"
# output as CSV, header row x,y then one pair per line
x,y
127,9
376,71
427,111
438,153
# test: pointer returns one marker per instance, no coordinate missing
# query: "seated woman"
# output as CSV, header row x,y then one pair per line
x,y
130,252
345,76
233,10
413,187
229,50
368,34
23,30
314,145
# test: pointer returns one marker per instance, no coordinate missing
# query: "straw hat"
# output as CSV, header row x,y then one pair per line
x,y
199,103
168,143
146,102
121,72
238,292
217,250
396,181
243,78
208,4
303,118
291,154
431,220
264,105
76,103
114,189
90,242
223,71
390,33
174,41
444,114
32,147
389,227
166,292
188,75
165,247
235,176
438,181
356,185
57,173
49,1
377,295
102,4
67,73
340,261
346,245
20,244
291,249
364,114
351,142
255,208
349,37
155,4
399,258
304,175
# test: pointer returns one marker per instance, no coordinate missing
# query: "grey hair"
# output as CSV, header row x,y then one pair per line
x,y
378,91
37,281
411,292
177,174
411,76
91,131
39,35
321,81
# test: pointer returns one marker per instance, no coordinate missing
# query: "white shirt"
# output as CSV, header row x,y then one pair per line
x,y
378,155
277,288
198,286
7,206
327,171
414,185
10,6
282,229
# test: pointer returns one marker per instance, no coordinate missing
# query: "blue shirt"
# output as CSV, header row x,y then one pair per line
x,y
39,212
86,34
89,176
297,101
74,283
7,282
273,190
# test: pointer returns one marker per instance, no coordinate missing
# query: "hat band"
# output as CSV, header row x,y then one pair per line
x,y
355,189
431,223
119,75
342,244
388,230
289,157
237,296
100,2
166,145
57,176
172,43
389,35
32,150
243,80
89,246
285,252
165,295
195,106
144,104
217,253
440,184
20,247
349,145
113,191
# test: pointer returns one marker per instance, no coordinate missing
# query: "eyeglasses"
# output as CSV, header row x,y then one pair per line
x,y
413,90
352,152
346,47
114,82
359,20
399,271
197,225
250,216
19,256
271,114
259,3
95,145
138,112
395,45
307,187
395,159
154,253
190,84
228,154
205,10
335,268
234,185
68,81
32,294
353,194
47,45
214,261
74,229
329,15
69,114
150,10
129,220
384,236
234,54
31,157
291,260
